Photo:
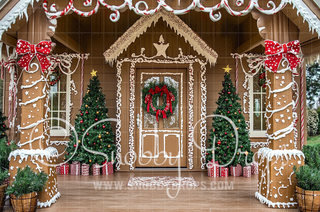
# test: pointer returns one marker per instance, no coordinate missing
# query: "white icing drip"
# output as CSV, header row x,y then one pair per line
x,y
278,110
270,153
280,188
48,203
264,200
289,178
35,99
30,141
31,125
281,89
25,153
285,132
33,83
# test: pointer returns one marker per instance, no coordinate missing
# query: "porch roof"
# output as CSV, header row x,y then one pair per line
x,y
173,21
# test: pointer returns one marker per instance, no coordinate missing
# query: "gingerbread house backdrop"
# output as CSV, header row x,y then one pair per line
x,y
186,43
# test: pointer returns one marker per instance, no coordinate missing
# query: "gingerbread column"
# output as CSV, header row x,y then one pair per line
x,y
276,185
33,47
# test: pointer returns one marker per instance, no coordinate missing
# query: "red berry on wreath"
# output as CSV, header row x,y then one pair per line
x,y
219,142
103,126
81,121
228,147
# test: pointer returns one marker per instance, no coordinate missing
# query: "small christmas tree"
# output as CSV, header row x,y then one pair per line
x,y
3,126
99,138
223,133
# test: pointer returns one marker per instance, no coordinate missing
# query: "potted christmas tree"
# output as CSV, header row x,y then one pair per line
x,y
100,137
3,185
24,191
222,139
308,176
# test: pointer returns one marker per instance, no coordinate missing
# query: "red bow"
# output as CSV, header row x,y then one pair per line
x,y
41,50
159,113
275,52
9,64
147,100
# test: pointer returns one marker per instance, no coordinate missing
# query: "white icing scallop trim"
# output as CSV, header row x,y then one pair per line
x,y
288,153
48,203
264,200
25,153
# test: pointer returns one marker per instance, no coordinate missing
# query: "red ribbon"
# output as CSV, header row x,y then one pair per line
x,y
29,51
276,52
159,113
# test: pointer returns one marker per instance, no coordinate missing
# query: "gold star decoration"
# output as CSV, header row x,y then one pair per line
x,y
93,73
227,69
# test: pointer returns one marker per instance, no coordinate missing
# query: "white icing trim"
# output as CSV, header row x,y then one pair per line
x,y
31,125
30,141
48,203
179,27
270,153
259,144
25,153
18,10
263,200
42,79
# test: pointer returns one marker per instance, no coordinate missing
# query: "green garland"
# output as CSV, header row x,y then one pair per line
x,y
56,74
150,95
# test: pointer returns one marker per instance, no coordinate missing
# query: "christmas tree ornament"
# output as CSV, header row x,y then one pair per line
x,y
94,143
74,145
88,91
97,112
99,136
81,121
107,133
87,111
109,146
87,134
79,141
96,119
219,142
81,114
246,153
86,105
228,92
103,126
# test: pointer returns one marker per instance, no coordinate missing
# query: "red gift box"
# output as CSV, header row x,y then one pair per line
x,y
110,168
107,168
75,168
213,169
58,169
239,169
64,169
235,171
247,171
96,169
224,172
85,169
254,168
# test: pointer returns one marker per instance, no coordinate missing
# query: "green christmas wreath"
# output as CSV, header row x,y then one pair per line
x,y
150,95
55,76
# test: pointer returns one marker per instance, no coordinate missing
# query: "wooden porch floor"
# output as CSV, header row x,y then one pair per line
x,y
78,193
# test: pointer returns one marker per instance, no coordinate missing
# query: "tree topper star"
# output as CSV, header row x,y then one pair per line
x,y
227,69
93,73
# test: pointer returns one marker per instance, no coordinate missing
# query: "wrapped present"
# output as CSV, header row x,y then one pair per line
x,y
85,169
254,168
247,171
96,169
58,169
64,169
213,169
224,172
239,169
75,168
235,171
110,168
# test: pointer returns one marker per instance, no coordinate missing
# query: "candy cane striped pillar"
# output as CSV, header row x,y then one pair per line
x,y
276,185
